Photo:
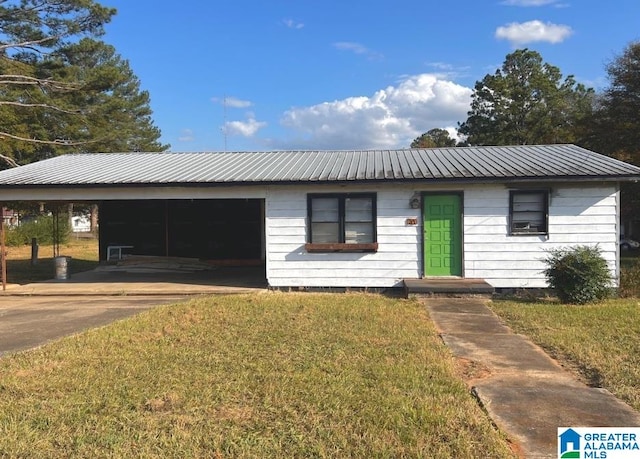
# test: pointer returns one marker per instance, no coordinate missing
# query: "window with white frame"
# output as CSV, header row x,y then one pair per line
x,y
528,212
342,218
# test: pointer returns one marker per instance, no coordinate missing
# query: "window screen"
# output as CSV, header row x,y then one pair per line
x,y
528,212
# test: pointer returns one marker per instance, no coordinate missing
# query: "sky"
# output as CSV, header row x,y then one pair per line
x,y
255,75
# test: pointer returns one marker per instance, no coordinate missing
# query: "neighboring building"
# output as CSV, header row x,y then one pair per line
x,y
10,218
348,218
80,224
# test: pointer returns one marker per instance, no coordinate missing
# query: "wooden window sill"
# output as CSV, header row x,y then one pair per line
x,y
340,247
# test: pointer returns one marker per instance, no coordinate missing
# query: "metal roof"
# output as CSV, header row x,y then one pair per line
x,y
459,164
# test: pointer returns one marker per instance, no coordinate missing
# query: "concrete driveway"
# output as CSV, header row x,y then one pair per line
x,y
33,314
31,321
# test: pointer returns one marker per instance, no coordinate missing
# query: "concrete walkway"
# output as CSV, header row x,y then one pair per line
x,y
526,393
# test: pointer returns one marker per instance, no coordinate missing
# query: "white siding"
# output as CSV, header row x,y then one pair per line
x,y
578,214
289,264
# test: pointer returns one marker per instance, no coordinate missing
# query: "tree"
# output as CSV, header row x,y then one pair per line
x,y
32,98
526,102
117,114
434,138
615,124
614,127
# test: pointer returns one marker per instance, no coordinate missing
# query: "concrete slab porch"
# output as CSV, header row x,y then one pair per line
x,y
105,282
447,285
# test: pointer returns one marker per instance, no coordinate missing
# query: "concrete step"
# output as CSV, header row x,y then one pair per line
x,y
447,286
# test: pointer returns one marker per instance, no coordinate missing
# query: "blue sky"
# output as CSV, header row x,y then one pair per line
x,y
348,74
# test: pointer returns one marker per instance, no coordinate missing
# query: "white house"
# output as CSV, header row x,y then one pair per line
x,y
348,218
80,223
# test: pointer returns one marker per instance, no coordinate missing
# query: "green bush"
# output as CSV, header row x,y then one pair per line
x,y
579,275
40,228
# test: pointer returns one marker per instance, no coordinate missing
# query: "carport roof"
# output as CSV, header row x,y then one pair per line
x,y
460,164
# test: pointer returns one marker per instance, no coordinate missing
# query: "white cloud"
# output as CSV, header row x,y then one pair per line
x,y
390,118
357,48
351,46
292,24
440,66
237,103
246,128
186,135
232,102
528,2
447,70
533,31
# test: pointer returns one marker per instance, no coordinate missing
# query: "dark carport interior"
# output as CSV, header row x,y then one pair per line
x,y
225,230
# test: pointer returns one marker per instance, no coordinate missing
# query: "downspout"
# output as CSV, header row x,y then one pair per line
x,y
618,211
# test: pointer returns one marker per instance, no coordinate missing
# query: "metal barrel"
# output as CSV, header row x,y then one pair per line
x,y
61,266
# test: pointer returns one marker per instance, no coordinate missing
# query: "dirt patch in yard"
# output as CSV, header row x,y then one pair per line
x,y
471,370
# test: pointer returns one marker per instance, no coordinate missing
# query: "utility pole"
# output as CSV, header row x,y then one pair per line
x,y
224,119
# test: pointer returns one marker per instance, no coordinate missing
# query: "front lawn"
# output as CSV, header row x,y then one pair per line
x,y
268,375
600,342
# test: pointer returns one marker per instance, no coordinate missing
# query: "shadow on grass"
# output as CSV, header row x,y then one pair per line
x,y
22,272
529,296
593,377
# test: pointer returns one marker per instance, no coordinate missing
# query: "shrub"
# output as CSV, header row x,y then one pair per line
x,y
40,228
579,275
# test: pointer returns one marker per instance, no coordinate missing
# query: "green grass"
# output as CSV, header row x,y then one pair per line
x,y
270,375
83,253
600,342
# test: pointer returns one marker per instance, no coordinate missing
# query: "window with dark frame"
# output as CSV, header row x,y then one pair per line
x,y
528,212
341,222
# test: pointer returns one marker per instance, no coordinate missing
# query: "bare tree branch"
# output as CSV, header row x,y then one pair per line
x,y
50,107
28,44
60,142
33,81
10,161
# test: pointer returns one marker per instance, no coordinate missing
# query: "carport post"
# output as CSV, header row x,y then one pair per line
x,y
34,251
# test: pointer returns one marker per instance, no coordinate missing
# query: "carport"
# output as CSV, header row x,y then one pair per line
x,y
224,238
150,207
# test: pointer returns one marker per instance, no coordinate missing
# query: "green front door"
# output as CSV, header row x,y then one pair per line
x,y
442,235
